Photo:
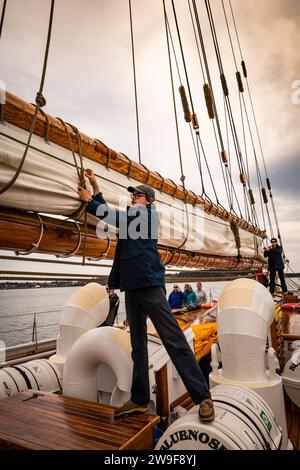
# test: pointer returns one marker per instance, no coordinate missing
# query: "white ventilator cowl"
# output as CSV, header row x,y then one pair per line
x,y
245,313
86,308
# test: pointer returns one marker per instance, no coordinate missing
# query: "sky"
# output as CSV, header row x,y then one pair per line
x,y
89,82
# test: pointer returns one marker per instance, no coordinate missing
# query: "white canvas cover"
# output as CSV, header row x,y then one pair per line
x,y
48,184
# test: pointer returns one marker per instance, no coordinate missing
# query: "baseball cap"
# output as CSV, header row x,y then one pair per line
x,y
143,188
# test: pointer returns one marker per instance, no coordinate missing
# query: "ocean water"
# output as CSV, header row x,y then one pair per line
x,y
19,308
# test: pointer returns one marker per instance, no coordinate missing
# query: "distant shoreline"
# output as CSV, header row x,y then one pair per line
x,y
102,280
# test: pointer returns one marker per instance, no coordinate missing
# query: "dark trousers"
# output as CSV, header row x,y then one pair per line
x,y
152,301
281,277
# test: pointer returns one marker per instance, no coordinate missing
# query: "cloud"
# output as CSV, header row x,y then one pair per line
x,y
89,81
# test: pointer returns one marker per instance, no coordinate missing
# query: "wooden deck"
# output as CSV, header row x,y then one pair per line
x,y
52,422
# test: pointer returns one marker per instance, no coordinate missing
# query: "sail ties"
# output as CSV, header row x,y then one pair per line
x,y
80,172
235,231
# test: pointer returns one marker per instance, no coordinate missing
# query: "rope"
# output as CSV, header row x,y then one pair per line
x,y
43,274
135,85
255,122
227,99
242,101
182,178
2,16
212,107
197,43
40,102
196,147
182,56
82,183
51,261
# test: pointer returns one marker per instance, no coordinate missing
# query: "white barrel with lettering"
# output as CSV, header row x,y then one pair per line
x,y
38,374
243,422
291,376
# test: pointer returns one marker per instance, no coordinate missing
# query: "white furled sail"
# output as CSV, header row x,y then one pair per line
x,y
48,183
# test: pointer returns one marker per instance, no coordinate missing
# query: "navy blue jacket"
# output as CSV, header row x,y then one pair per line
x,y
137,262
176,299
274,256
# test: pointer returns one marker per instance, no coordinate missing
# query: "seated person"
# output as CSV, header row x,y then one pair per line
x,y
114,303
176,298
200,294
190,297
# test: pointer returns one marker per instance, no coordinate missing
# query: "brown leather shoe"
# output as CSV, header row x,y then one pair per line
x,y
206,411
130,408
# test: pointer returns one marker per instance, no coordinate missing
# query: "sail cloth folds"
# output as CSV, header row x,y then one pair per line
x,y
48,184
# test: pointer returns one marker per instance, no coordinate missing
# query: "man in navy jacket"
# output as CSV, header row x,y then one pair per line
x,y
176,298
275,262
138,270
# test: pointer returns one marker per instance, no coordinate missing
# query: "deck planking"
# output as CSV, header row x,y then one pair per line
x,y
54,422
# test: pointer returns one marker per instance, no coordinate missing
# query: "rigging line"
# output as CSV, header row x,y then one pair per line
x,y
2,16
259,178
182,56
270,223
260,198
196,146
198,159
197,43
245,141
135,84
177,128
251,137
240,93
173,48
207,72
224,174
235,140
40,102
209,81
246,205
214,35
229,156
217,50
207,166
218,55
228,29
248,88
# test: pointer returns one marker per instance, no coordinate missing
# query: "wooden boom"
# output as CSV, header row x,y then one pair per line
x,y
27,232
